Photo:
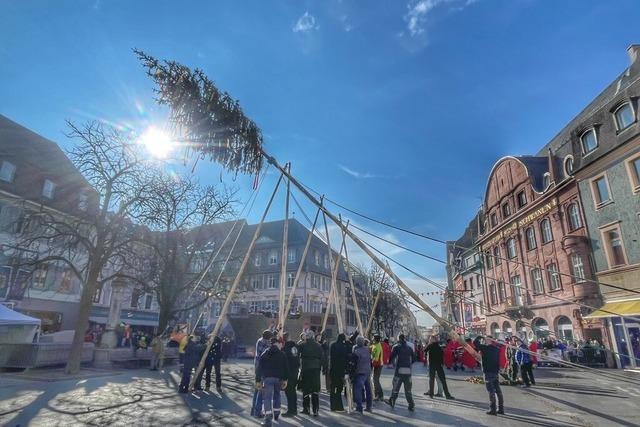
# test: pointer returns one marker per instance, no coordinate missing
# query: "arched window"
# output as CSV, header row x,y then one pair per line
x,y
511,248
574,217
506,327
564,328
540,327
589,141
546,181
568,165
495,329
624,116
545,230
531,238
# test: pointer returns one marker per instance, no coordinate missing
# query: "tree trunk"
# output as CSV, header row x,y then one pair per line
x,y
164,317
86,301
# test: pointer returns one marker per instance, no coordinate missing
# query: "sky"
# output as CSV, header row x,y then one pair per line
x,y
397,109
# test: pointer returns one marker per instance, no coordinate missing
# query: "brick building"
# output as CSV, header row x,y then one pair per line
x,y
537,254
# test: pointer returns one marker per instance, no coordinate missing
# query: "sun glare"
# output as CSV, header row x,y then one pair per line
x,y
157,142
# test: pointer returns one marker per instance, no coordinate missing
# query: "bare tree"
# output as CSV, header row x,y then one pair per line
x,y
178,209
94,243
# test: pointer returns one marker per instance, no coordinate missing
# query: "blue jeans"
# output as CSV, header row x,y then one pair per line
x,y
362,382
492,382
271,398
256,408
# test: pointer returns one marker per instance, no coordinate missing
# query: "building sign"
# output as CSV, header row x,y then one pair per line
x,y
506,231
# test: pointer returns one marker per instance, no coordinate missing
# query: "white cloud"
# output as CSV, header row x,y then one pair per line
x,y
416,17
356,174
306,23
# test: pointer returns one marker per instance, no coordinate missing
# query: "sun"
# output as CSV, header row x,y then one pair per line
x,y
157,142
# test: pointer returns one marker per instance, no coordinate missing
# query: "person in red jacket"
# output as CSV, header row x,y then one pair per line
x,y
468,361
449,353
386,351
533,347
502,359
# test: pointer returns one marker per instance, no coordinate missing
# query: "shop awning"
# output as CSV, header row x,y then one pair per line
x,y
620,308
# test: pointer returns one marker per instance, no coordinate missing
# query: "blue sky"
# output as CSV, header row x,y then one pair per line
x,y
395,108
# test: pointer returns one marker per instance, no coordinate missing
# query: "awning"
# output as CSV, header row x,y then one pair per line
x,y
619,308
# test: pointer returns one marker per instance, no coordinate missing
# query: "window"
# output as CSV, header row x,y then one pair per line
x,y
496,255
494,219
577,267
326,283
633,169
536,279
614,247
136,295
546,181
600,190
531,238
545,230
48,189
272,282
624,116
273,258
522,199
574,217
568,165
97,295
315,281
40,277
554,277
470,283
148,299
7,171
291,255
506,210
589,141
317,257
516,290
257,261
83,201
325,259
256,282
492,293
468,262
489,261
291,277
511,248
502,291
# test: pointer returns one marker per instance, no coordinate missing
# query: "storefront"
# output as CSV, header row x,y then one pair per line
x,y
624,330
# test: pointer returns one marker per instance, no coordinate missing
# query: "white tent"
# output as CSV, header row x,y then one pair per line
x,y
17,328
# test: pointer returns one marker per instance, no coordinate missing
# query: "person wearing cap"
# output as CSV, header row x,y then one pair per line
x,y
311,361
272,374
261,346
377,363
362,357
402,357
293,362
490,358
339,353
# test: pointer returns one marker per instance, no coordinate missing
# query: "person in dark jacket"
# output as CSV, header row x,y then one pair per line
x,y
490,352
191,359
523,358
212,362
261,346
339,356
311,361
272,374
402,357
293,362
436,360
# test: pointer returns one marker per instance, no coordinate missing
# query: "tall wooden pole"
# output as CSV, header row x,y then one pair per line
x,y
353,288
375,304
234,286
334,295
299,272
284,258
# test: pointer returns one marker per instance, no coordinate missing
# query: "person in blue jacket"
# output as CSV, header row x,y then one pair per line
x,y
523,358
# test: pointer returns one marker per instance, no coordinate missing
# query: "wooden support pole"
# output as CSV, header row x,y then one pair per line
x,y
234,286
375,304
284,260
334,295
353,288
300,268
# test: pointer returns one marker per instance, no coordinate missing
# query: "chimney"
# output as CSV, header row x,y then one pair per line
x,y
634,52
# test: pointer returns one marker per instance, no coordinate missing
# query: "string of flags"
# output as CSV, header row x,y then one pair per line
x,y
432,293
